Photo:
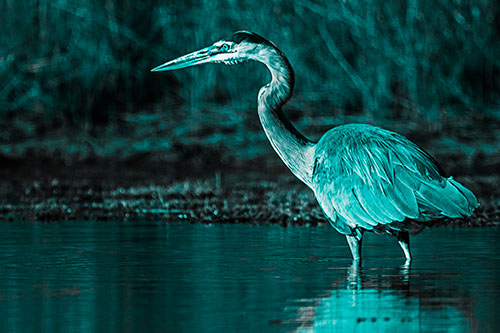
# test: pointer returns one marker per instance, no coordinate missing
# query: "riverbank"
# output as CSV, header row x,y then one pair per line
x,y
41,191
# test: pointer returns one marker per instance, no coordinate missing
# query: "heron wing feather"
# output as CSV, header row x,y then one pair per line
x,y
448,198
469,196
370,176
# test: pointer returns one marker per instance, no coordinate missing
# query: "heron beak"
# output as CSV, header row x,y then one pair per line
x,y
192,59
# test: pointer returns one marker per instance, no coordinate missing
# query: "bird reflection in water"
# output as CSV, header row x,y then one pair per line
x,y
384,300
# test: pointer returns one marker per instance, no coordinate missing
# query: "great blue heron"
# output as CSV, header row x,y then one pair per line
x,y
364,177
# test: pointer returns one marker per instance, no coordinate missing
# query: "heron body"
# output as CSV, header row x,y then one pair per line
x,y
365,178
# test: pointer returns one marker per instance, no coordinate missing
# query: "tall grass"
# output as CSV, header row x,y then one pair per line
x,y
83,67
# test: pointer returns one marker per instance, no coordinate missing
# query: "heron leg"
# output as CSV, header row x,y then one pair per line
x,y
355,241
404,241
354,275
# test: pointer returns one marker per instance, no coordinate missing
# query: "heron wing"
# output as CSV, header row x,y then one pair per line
x,y
372,177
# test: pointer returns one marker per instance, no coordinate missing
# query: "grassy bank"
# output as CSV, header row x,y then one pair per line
x,y
118,193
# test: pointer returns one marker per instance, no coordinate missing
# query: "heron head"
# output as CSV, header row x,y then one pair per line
x,y
240,47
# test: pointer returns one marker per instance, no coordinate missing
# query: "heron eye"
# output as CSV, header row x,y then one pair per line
x,y
224,48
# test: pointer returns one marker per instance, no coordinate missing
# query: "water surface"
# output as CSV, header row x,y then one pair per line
x,y
142,276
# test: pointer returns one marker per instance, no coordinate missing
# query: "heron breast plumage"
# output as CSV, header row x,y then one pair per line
x,y
365,176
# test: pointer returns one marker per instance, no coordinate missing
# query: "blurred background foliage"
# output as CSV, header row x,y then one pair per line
x,y
76,80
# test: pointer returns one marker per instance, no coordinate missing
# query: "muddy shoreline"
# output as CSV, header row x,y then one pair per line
x,y
46,191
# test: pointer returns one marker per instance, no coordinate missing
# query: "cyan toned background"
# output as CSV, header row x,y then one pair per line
x,y
77,83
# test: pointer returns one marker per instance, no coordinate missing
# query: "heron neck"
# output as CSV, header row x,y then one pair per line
x,y
296,151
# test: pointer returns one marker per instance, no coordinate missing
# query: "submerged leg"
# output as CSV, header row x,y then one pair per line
x,y
404,241
354,275
355,242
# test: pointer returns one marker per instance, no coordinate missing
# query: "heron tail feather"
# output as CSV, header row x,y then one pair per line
x,y
448,198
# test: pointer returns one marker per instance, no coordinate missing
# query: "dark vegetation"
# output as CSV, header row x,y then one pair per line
x,y
109,192
85,125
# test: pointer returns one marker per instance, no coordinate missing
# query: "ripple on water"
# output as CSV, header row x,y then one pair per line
x,y
191,277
